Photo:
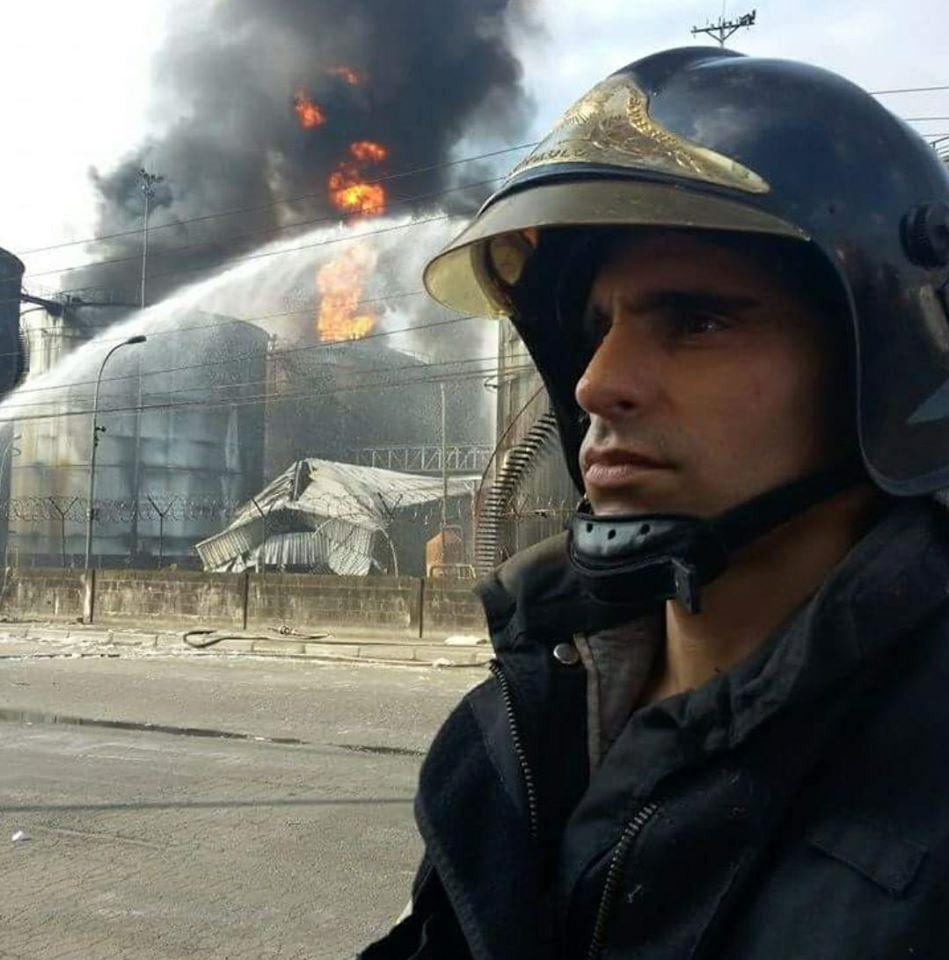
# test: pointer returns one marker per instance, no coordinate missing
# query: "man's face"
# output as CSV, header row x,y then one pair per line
x,y
709,385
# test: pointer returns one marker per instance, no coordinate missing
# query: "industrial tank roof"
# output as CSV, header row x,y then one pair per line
x,y
11,352
11,259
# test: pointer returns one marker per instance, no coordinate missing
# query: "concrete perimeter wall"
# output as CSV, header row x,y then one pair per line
x,y
451,607
169,597
364,604
393,606
39,594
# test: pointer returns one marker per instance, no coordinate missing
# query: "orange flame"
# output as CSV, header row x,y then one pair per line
x,y
355,78
311,114
349,189
340,283
368,152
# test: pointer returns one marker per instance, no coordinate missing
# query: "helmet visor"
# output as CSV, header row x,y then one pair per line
x,y
477,271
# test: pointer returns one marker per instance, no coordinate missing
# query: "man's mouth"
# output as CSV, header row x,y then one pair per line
x,y
610,468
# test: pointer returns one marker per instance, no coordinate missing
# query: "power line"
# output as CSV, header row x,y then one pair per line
x,y
307,246
883,93
277,203
352,238
245,401
257,319
382,179
248,233
237,358
256,383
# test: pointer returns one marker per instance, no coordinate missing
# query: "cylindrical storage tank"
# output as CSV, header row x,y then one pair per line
x,y
183,438
11,276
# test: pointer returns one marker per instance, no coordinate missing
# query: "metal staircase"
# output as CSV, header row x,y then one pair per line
x,y
517,465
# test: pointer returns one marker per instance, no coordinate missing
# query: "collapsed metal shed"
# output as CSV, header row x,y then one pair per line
x,y
322,516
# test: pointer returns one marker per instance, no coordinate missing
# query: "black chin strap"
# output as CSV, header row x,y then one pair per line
x,y
638,561
750,520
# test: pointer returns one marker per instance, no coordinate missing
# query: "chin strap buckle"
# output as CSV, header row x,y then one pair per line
x,y
686,580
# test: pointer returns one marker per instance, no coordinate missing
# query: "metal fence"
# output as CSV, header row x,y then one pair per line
x,y
56,526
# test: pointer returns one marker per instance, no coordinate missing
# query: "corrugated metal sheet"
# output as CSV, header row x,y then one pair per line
x,y
318,512
335,548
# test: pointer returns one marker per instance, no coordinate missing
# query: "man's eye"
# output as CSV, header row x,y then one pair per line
x,y
597,325
697,324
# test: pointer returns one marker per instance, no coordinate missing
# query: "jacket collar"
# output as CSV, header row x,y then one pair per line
x,y
891,582
810,672
882,589
536,597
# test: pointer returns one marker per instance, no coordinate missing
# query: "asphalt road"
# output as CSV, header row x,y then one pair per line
x,y
267,816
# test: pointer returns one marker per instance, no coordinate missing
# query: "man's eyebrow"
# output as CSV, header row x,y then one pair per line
x,y
689,300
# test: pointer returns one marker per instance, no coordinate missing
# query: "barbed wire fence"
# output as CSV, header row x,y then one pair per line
x,y
529,518
50,530
39,508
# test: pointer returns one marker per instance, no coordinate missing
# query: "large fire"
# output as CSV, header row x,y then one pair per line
x,y
350,190
354,78
311,114
340,283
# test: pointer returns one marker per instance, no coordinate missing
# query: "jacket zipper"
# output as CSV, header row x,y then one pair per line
x,y
613,873
519,752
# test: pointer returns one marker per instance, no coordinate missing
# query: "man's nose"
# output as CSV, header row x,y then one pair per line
x,y
620,377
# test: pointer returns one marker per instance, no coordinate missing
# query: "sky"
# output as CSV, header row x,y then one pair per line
x,y
79,90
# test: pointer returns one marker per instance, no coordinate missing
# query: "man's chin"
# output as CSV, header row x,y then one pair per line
x,y
625,506
637,502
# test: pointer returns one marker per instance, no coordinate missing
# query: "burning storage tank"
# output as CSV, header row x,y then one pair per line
x,y
363,396
181,445
367,388
11,276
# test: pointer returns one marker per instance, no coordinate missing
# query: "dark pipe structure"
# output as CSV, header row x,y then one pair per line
x,y
11,350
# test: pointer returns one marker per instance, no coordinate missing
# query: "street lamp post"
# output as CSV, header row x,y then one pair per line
x,y
90,515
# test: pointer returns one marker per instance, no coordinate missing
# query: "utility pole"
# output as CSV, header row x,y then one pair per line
x,y
724,29
444,467
149,180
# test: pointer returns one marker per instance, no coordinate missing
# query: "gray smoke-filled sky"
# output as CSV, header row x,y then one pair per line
x,y
207,88
255,103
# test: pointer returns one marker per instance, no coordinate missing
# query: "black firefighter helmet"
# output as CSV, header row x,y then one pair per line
x,y
709,139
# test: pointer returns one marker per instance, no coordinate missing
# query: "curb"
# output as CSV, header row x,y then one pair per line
x,y
344,649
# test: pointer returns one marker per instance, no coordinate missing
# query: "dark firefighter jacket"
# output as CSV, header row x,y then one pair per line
x,y
795,806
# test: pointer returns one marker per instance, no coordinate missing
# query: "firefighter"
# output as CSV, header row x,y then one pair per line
x,y
717,721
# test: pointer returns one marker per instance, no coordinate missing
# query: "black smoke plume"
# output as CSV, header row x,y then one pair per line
x,y
430,72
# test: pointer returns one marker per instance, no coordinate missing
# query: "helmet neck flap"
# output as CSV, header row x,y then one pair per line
x,y
639,561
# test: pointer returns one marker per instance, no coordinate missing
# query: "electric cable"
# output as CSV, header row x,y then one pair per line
x,y
333,218
274,397
226,264
376,180
237,358
308,311
881,93
273,353
277,203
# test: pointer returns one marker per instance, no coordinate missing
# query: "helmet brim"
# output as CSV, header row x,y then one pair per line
x,y
474,272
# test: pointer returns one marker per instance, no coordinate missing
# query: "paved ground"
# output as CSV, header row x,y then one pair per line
x,y
153,844
367,646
